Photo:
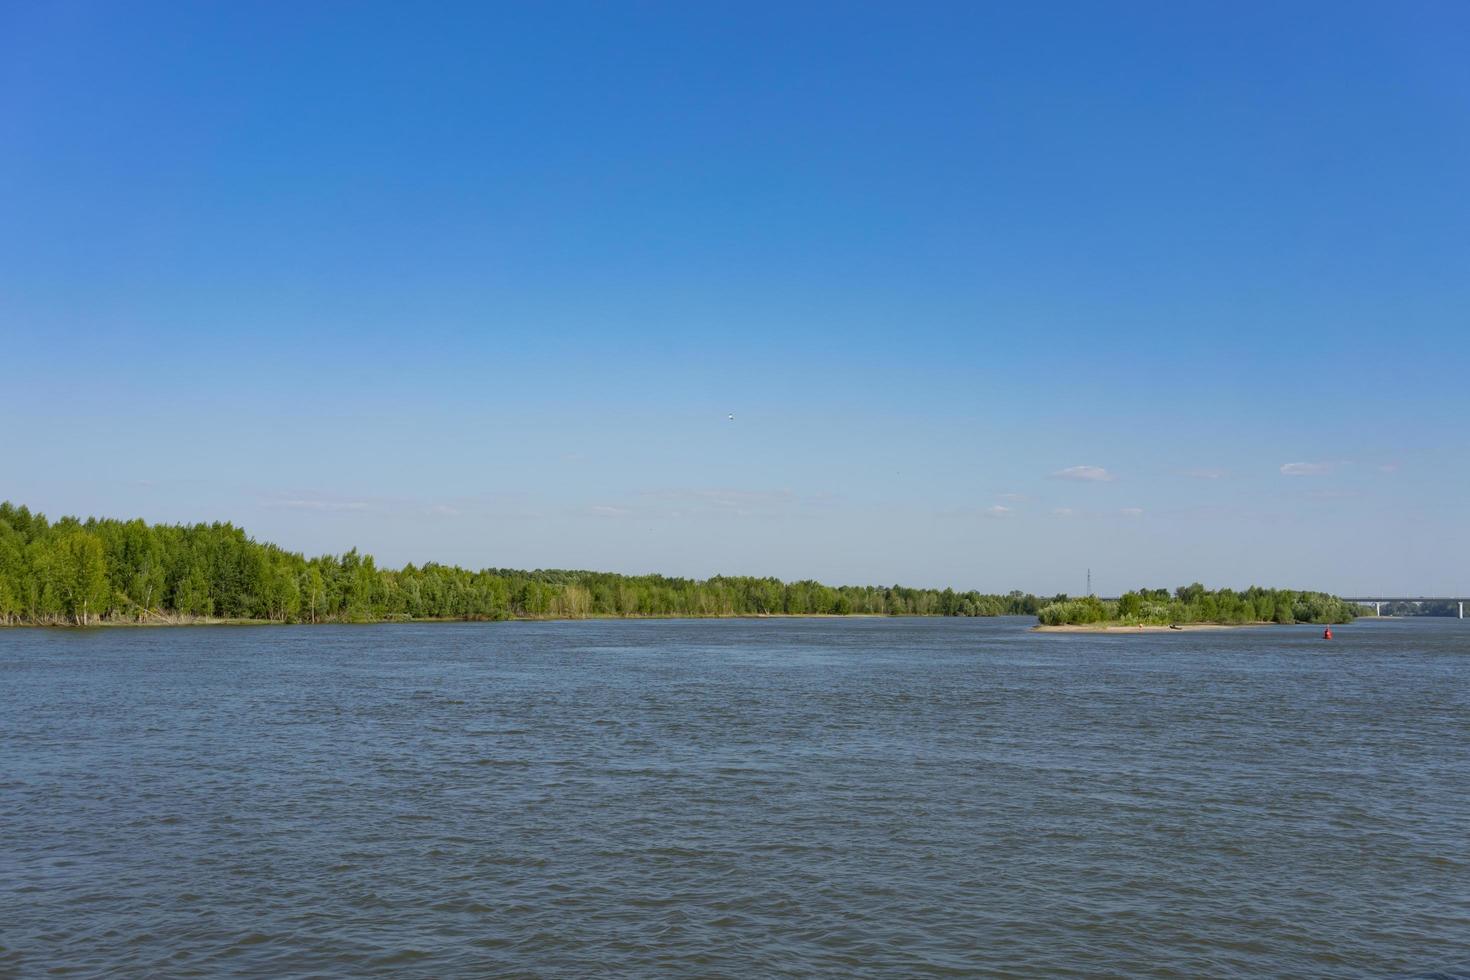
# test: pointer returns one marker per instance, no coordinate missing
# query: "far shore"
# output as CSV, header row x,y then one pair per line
x,y
1121,628
162,621
181,620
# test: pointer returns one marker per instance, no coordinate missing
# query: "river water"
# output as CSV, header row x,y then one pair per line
x,y
741,798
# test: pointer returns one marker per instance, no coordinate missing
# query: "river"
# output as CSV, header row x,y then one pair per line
x,y
862,797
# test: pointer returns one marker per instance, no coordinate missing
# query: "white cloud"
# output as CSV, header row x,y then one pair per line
x,y
1131,511
443,510
1206,473
1086,474
1064,512
1012,497
605,510
999,510
1306,469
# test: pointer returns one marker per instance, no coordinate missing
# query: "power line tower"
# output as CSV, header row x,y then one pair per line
x,y
1089,581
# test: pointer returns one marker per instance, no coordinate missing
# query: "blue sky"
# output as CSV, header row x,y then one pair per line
x,y
995,293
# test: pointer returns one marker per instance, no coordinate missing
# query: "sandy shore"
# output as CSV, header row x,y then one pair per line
x,y
1182,628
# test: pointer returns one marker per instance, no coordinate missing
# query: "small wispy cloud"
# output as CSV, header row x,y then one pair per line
x,y
496,505
998,510
1206,473
1306,469
1063,511
718,502
1131,511
1085,474
1333,494
323,506
1012,497
1388,468
742,499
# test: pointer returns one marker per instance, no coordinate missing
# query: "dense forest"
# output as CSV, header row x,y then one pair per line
x,y
1196,604
84,572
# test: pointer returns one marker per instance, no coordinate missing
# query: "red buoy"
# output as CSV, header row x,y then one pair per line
x,y
1327,633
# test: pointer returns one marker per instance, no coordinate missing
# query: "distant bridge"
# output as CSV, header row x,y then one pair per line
x,y
1377,601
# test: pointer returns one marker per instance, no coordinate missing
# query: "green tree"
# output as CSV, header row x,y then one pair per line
x,y
313,591
81,575
191,597
9,601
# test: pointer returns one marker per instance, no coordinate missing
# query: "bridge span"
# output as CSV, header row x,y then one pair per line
x,y
1377,601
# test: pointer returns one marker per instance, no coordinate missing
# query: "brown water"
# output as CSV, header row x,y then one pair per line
x,y
735,798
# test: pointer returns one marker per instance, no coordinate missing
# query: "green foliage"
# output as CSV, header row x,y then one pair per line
x,y
80,572
1196,604
1089,609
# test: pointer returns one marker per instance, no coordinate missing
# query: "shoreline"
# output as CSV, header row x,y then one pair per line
x,y
164,623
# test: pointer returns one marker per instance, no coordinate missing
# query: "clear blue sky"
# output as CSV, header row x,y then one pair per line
x,y
995,292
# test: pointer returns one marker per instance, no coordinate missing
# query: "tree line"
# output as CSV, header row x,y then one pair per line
x,y
1196,604
103,570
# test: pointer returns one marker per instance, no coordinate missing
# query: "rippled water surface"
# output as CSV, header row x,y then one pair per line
x,y
737,798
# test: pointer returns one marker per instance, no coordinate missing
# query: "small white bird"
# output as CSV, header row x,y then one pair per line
x,y
732,418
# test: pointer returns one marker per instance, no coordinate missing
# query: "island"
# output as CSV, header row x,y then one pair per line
x,y
1192,607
